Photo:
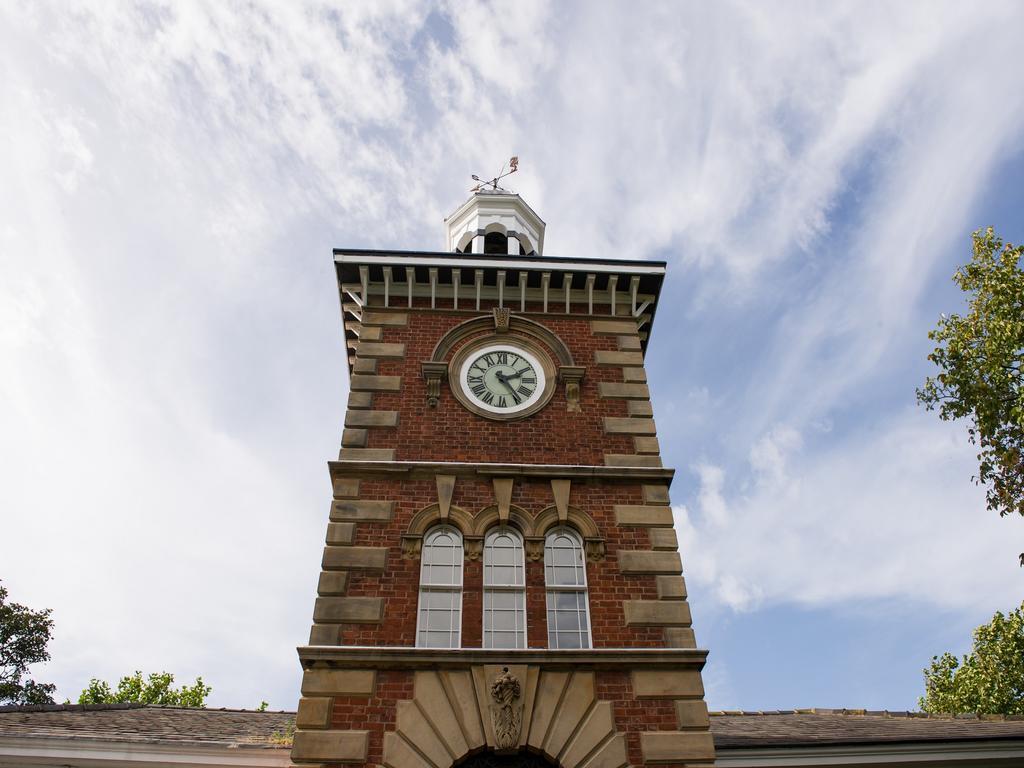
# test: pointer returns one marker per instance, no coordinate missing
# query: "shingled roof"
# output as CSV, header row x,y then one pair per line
x,y
734,732
149,724
804,727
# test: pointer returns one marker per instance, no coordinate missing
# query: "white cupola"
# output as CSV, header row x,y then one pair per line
x,y
497,222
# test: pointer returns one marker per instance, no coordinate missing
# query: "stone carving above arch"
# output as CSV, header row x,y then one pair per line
x,y
427,518
517,324
474,527
450,717
490,517
577,519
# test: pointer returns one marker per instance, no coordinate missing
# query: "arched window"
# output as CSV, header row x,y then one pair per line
x,y
440,613
504,589
565,575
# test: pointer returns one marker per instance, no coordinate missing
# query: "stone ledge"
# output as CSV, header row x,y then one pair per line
x,y
368,419
619,358
641,408
361,510
692,715
360,400
366,454
646,562
332,583
648,445
663,539
428,470
677,746
364,365
355,559
624,391
345,487
349,610
338,682
395,657
354,438
613,327
655,494
671,587
631,460
371,333
680,637
314,712
340,533
376,350
331,746
643,515
667,685
615,425
656,613
385,318
634,375
363,382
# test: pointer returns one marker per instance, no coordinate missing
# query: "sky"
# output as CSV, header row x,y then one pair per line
x,y
173,177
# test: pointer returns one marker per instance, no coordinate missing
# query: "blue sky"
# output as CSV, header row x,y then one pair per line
x,y
174,177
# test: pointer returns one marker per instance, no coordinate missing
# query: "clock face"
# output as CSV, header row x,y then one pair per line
x,y
502,379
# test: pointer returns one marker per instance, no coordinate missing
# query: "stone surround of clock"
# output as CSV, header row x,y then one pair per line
x,y
600,667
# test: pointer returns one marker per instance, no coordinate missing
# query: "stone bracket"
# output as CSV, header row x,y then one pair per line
x,y
435,373
503,497
445,491
572,375
502,315
560,489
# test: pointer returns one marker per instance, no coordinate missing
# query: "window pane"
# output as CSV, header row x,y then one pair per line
x,y
504,619
564,563
567,619
441,558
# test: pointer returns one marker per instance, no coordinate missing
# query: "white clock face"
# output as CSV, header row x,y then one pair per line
x,y
502,379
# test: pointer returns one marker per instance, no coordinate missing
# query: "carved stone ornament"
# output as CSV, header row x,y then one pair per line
x,y
473,547
595,550
411,547
435,373
534,550
572,375
506,715
501,319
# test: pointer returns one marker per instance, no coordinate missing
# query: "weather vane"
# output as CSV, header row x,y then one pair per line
x,y
512,165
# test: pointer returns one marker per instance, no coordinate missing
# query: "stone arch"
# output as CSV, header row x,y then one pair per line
x,y
577,519
451,717
427,518
430,515
488,518
517,324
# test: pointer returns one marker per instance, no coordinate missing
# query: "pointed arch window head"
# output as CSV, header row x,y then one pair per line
x,y
565,576
504,589
439,621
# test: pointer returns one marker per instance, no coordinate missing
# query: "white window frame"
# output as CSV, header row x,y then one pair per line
x,y
553,589
516,589
426,587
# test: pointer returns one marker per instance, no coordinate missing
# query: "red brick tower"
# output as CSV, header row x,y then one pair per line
x,y
500,585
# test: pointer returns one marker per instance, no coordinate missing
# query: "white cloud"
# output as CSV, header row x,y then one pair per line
x,y
889,512
175,175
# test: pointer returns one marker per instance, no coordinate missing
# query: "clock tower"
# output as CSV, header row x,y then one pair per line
x,y
500,584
